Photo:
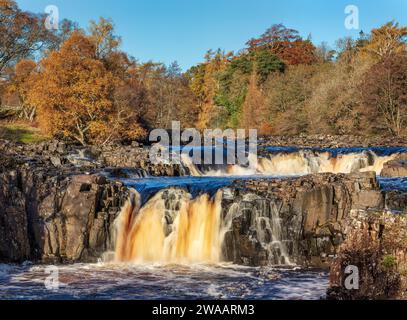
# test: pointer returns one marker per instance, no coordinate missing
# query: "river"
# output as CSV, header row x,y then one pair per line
x,y
196,279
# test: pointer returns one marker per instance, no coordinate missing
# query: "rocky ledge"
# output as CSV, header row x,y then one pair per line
x,y
69,157
396,168
52,215
312,213
332,141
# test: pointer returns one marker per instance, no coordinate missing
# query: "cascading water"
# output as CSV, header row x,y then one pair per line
x,y
170,228
299,163
278,247
263,224
308,162
174,228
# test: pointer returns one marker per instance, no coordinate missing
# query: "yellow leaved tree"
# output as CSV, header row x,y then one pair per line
x,y
75,96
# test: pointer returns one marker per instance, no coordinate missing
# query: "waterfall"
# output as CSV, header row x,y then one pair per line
x,y
278,248
266,222
298,163
308,162
192,168
170,228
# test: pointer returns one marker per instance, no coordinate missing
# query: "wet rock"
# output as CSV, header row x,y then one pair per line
x,y
14,242
396,168
396,201
51,211
56,161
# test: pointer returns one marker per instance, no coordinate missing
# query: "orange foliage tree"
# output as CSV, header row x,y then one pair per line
x,y
384,90
286,44
22,82
74,93
387,40
21,34
254,113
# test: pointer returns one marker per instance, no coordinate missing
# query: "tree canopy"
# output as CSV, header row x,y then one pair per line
x,y
78,84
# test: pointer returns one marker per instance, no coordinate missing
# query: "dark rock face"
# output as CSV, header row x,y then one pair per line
x,y
57,154
61,155
14,243
77,224
396,201
130,157
302,219
53,217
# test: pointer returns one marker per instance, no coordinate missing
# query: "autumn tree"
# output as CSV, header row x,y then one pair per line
x,y
387,40
253,113
75,96
131,95
384,91
3,91
170,97
65,29
204,84
21,34
105,40
21,83
286,43
324,53
286,97
234,81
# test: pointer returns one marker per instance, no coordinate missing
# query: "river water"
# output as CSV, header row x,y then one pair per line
x,y
133,282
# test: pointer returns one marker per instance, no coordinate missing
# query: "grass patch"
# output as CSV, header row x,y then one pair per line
x,y
20,132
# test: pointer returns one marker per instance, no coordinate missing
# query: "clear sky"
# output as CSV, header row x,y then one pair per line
x,y
183,30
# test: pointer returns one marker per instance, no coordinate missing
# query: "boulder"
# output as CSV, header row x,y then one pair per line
x,y
396,168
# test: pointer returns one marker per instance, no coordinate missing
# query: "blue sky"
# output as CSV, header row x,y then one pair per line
x,y
183,30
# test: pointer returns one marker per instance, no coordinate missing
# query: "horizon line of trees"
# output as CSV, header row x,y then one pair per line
x,y
77,84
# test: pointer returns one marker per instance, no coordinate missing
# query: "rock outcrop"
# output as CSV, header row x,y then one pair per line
x,y
332,141
396,168
307,212
60,155
54,216
131,157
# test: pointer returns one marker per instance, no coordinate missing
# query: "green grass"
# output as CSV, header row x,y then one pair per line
x,y
21,133
389,262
